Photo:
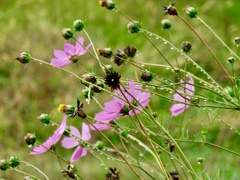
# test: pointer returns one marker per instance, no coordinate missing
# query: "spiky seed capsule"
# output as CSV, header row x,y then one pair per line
x,y
171,10
130,51
13,161
78,25
146,76
231,60
174,175
191,11
67,33
114,174
119,57
30,139
89,78
24,58
96,89
166,24
4,165
105,52
237,40
108,4
44,118
134,27
186,46
112,80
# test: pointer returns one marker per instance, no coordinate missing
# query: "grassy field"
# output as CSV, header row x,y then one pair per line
x,y
26,91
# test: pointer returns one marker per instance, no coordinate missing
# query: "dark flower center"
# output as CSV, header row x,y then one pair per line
x,y
74,58
125,110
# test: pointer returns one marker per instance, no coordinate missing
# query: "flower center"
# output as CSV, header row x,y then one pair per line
x,y
74,58
125,110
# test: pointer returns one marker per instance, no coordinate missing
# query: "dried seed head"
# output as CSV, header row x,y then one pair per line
x,y
67,33
134,27
78,25
89,78
171,10
130,51
119,57
186,46
30,139
146,76
24,58
105,52
108,4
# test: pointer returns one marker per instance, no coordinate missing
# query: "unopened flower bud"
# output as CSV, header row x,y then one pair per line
x,y
237,41
119,57
108,68
191,11
78,25
171,146
87,93
166,24
67,33
229,91
66,108
105,52
99,145
174,175
134,27
24,58
186,46
44,118
89,78
171,10
4,165
146,76
108,4
200,160
13,161
231,60
130,51
96,89
30,139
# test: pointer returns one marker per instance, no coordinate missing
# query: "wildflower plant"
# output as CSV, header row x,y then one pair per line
x,y
141,116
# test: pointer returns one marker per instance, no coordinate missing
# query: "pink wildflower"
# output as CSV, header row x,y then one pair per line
x,y
70,142
184,95
52,140
70,54
116,108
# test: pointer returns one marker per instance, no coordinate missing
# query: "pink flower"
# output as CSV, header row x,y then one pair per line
x,y
71,54
52,140
70,142
184,95
116,108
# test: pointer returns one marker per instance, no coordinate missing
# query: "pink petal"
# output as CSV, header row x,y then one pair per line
x,y
60,63
190,88
75,131
79,45
59,54
69,142
100,126
79,152
177,109
69,49
107,116
85,132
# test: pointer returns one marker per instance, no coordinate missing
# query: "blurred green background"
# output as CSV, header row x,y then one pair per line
x,y
26,91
